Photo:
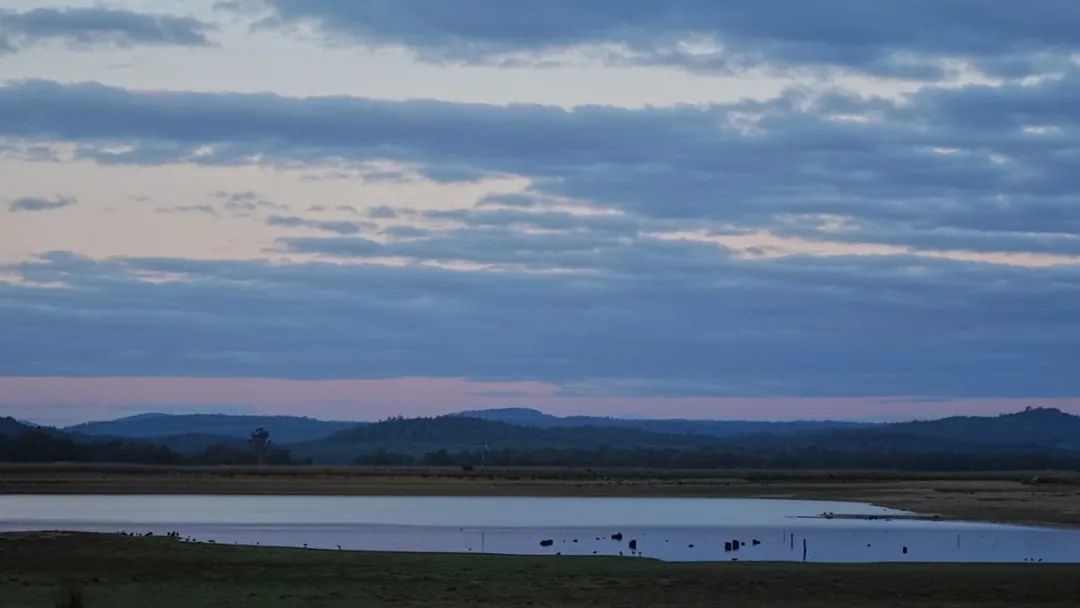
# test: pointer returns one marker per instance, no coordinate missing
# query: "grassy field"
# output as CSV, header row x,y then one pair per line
x,y
121,572
1030,497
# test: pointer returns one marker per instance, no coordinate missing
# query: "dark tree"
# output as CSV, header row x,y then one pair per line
x,y
260,444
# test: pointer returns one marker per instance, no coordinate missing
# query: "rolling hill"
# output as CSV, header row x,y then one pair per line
x,y
10,427
1031,430
963,441
1036,438
417,436
283,429
713,428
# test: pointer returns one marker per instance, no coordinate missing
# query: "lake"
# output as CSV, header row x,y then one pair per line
x,y
674,529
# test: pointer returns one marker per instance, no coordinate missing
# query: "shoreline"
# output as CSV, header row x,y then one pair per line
x,y
1032,498
946,543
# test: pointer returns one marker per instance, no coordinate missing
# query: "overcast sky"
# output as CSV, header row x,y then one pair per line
x,y
360,208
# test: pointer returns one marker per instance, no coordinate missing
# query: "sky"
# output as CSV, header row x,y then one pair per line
x,y
356,209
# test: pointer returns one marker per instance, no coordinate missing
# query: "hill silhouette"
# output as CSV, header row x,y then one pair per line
x,y
715,428
1034,429
1033,438
1036,438
283,429
417,436
10,427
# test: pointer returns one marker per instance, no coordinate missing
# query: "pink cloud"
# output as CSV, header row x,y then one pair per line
x,y
69,400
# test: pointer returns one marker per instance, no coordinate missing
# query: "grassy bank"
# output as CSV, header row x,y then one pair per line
x,y
120,572
1030,497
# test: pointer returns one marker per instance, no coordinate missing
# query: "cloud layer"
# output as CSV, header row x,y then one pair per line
x,y
656,318
30,203
984,169
893,211
88,27
910,39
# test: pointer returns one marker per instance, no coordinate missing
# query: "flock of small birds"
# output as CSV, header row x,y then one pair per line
x,y
729,546
173,534
185,539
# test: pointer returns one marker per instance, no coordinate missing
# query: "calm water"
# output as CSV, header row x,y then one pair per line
x,y
677,529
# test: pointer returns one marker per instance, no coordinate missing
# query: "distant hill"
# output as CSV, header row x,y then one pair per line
x,y
679,426
190,444
24,443
1035,438
283,429
1045,427
1033,429
10,427
20,442
417,436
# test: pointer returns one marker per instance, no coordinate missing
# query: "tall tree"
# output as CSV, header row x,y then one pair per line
x,y
260,444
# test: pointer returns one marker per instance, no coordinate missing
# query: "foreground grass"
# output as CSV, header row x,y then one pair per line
x,y
1029,497
120,572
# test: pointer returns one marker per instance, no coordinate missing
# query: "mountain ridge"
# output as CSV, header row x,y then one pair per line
x,y
1031,438
283,429
715,428
1045,432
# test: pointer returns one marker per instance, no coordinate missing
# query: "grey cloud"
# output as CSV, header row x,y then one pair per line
x,y
30,203
510,249
93,26
382,212
279,220
207,209
386,176
956,160
448,173
336,226
662,322
246,203
509,200
346,247
945,239
908,39
550,220
343,226
406,232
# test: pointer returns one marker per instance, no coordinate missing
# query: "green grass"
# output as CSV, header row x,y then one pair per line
x,y
117,572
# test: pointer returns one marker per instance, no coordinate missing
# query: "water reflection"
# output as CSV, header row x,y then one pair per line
x,y
669,529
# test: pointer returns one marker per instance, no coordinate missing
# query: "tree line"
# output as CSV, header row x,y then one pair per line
x,y
717,458
46,445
